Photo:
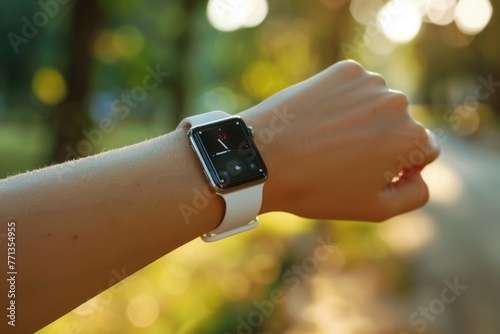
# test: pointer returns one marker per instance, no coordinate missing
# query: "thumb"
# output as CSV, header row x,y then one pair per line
x,y
408,193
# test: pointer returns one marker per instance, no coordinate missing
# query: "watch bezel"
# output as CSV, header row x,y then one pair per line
x,y
208,166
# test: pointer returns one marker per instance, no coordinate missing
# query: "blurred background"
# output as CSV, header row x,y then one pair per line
x,y
80,77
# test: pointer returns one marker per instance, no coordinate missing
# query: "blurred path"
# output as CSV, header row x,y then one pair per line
x,y
467,247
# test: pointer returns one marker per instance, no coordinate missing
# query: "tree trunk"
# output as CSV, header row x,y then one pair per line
x,y
71,118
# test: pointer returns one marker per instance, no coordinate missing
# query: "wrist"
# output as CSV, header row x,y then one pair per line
x,y
268,124
201,206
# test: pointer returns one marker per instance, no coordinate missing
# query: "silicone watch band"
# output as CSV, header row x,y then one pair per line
x,y
242,205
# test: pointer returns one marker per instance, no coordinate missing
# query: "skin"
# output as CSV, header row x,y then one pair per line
x,y
329,142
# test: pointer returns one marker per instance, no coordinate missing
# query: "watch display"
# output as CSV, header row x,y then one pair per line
x,y
228,153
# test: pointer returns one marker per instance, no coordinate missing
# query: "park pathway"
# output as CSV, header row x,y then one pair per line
x,y
467,246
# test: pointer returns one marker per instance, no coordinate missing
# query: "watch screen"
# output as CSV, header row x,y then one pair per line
x,y
229,153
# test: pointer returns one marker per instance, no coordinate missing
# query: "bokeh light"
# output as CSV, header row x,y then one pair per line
x,y
142,311
218,98
365,11
408,235
138,285
262,79
234,285
102,47
472,16
371,281
332,4
128,41
379,44
175,279
452,36
440,12
123,43
400,21
230,15
445,185
469,120
49,86
263,268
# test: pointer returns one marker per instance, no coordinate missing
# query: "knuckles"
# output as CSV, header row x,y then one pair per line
x,y
352,65
376,79
398,99
393,102
352,70
349,69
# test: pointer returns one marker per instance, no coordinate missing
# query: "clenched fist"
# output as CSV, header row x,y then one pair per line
x,y
335,146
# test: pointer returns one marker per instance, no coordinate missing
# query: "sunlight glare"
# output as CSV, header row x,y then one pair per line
x,y
440,12
403,26
445,185
230,15
472,16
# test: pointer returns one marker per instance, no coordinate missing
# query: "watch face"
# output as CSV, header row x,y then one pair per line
x,y
229,153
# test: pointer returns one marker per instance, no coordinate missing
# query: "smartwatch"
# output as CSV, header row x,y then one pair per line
x,y
233,167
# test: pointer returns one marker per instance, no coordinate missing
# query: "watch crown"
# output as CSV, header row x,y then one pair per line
x,y
251,130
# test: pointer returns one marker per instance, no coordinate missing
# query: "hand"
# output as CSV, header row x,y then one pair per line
x,y
346,147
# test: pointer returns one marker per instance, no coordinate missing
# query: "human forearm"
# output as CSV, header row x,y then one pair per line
x,y
332,144
78,221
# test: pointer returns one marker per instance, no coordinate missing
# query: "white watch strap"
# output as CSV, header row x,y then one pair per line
x,y
242,206
203,118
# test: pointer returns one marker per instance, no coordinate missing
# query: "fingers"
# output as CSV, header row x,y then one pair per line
x,y
408,193
412,144
408,190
